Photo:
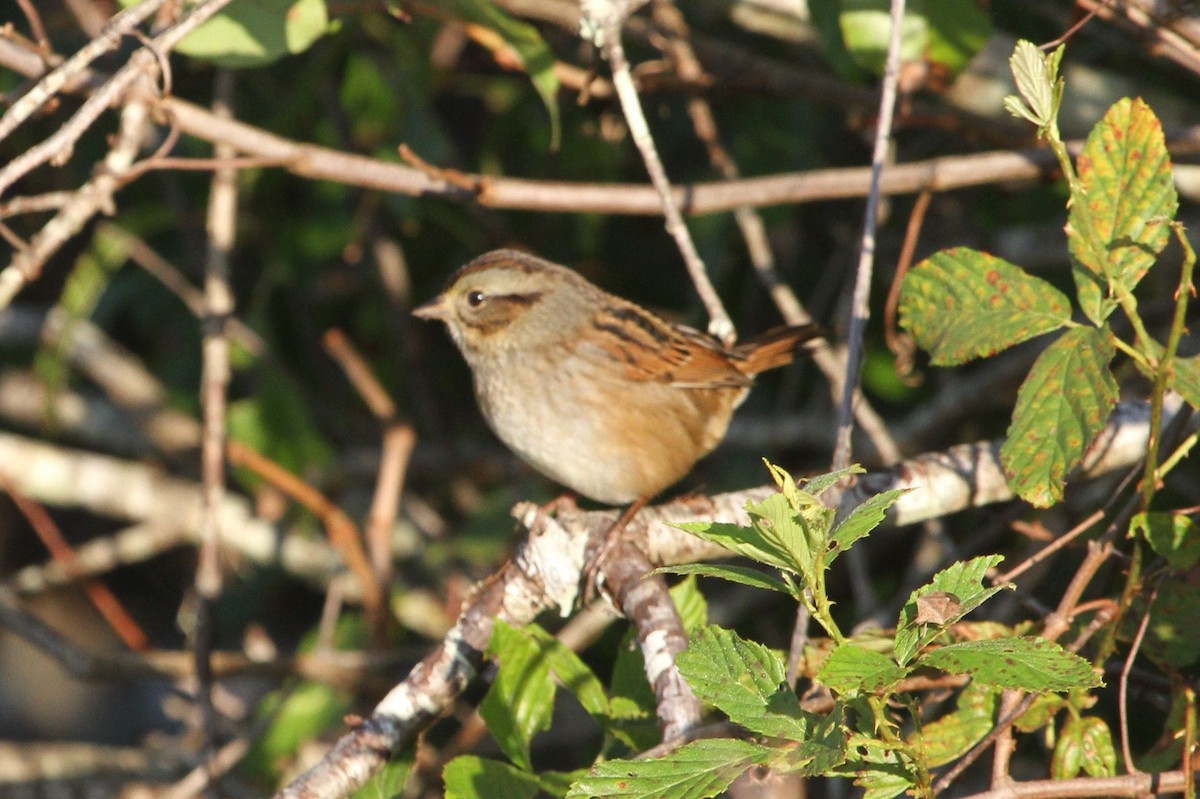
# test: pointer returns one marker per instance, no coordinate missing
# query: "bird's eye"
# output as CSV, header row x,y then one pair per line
x,y
475,299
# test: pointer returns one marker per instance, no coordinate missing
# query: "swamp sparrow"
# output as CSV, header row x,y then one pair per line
x,y
593,391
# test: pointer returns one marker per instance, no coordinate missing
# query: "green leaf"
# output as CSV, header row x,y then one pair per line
x,y
1062,405
745,575
961,304
861,521
571,671
388,782
826,19
853,669
880,770
277,422
957,31
1116,227
826,748
1186,378
1030,664
866,26
297,717
252,33
1040,713
1040,88
744,680
744,541
787,531
632,701
964,581
820,483
521,700
880,784
526,41
471,777
698,770
691,605
799,537
1084,744
952,735
1171,638
1173,535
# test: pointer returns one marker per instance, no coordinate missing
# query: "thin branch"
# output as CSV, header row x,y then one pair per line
x,y
214,387
141,64
1123,686
866,257
830,360
91,198
103,599
306,160
74,67
608,16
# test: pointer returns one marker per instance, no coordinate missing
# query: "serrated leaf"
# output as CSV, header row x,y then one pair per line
x,y
521,700
1173,535
471,777
1062,405
820,483
800,536
699,770
827,745
1084,744
964,580
1029,664
1116,227
743,575
852,669
744,680
861,521
961,304
1036,76
570,670
744,541
879,784
1186,379
952,735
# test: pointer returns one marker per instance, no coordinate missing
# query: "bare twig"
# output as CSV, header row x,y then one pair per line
x,y
36,28
343,532
938,174
900,344
1078,26
141,64
93,197
608,15
359,374
866,259
214,386
73,68
830,360
1123,687
104,600
398,442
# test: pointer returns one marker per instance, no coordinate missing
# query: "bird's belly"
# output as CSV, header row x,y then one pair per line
x,y
630,441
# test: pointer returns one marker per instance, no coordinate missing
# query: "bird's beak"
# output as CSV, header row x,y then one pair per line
x,y
437,308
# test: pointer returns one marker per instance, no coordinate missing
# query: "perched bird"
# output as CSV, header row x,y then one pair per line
x,y
591,390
